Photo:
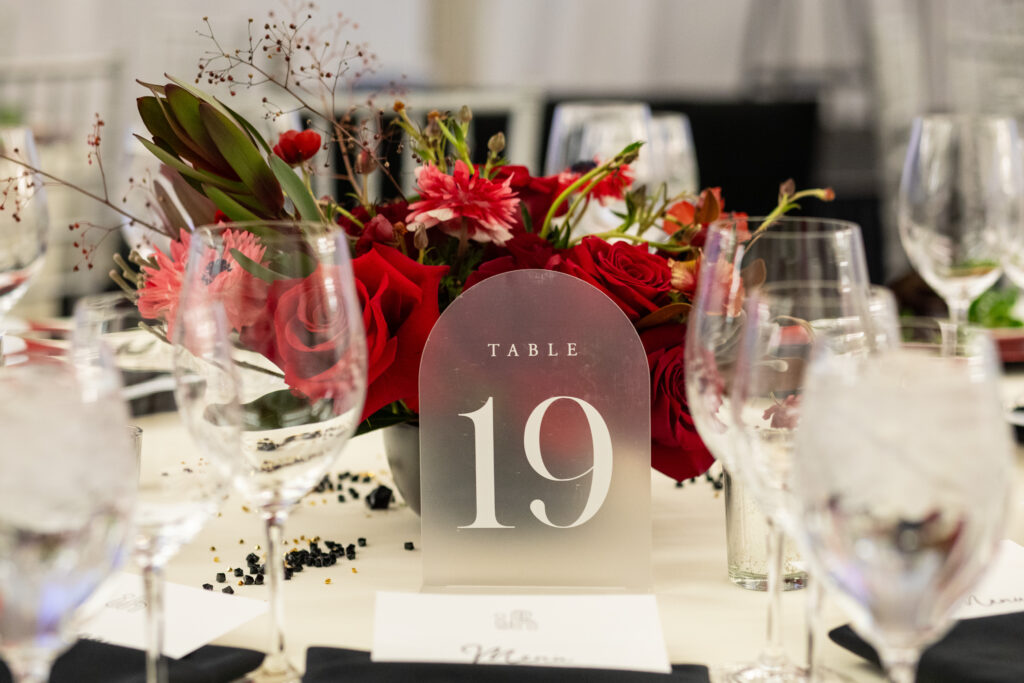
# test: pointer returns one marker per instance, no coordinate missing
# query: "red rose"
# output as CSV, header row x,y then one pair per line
x,y
399,299
297,146
301,334
524,250
676,448
635,279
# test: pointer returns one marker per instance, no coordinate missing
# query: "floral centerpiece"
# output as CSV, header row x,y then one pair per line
x,y
467,221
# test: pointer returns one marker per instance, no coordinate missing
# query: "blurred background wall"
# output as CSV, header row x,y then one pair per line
x,y
819,90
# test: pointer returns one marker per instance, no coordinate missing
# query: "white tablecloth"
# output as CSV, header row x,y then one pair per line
x,y
706,619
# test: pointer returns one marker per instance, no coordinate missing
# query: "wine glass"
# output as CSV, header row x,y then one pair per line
x,y
739,256
672,153
586,133
66,497
24,225
781,321
271,370
178,491
960,203
902,479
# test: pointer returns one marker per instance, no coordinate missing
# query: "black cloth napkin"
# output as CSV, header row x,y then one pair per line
x,y
329,665
92,662
982,650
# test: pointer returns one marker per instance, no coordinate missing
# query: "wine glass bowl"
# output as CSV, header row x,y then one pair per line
x,y
24,225
960,203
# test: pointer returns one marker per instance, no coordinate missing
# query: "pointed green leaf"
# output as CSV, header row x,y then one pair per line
x,y
231,208
189,172
255,269
185,113
199,94
244,157
253,133
296,190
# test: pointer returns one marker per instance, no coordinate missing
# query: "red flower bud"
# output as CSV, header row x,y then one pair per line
x,y
296,146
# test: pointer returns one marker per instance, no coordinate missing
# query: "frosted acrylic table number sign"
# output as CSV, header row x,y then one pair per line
x,y
535,439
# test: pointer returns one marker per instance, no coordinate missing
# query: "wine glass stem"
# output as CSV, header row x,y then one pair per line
x,y
901,665
773,653
274,521
153,583
815,598
958,308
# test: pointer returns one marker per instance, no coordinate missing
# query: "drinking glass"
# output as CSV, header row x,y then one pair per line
x,y
582,132
24,225
672,153
66,497
740,255
902,478
782,321
271,370
179,491
960,202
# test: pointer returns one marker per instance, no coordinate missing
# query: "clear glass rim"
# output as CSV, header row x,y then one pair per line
x,y
838,224
962,118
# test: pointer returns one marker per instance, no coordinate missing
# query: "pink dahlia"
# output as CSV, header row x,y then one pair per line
x,y
486,208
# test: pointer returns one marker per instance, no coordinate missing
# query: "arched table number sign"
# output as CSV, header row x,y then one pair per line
x,y
535,439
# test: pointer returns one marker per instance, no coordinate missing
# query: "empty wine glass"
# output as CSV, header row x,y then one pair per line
x,y
902,480
740,255
781,321
178,490
271,370
24,225
66,497
672,153
960,203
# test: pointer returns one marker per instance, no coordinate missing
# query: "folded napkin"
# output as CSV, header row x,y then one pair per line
x,y
92,662
329,665
983,650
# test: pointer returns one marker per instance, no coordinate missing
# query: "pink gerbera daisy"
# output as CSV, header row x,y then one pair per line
x,y
485,208
245,294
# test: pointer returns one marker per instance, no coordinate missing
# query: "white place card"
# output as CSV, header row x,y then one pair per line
x,y
1001,591
195,617
585,631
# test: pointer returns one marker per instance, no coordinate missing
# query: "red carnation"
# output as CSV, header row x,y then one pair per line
x,y
464,200
296,146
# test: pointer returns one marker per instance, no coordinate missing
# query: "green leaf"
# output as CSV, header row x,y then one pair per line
x,y
185,109
256,269
153,117
189,172
253,133
296,190
231,208
199,94
244,157
275,410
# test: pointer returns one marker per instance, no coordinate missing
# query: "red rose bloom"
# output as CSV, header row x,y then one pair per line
x,y
297,146
524,250
635,279
399,300
676,448
304,339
